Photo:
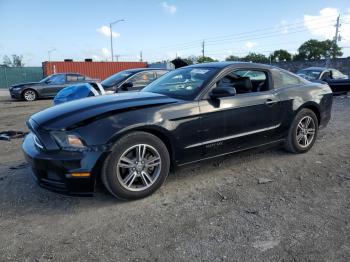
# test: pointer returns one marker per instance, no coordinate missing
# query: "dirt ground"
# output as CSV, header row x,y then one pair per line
x,y
211,211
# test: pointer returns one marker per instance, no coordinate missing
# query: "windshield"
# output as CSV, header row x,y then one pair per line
x,y
184,83
116,78
46,78
309,74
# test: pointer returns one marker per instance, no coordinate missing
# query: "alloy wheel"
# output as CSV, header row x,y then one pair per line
x,y
138,167
305,132
29,95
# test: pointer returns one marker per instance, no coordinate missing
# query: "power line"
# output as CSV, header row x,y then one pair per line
x,y
236,35
269,32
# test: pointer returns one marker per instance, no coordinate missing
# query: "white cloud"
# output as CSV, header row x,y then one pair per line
x,y
105,30
250,45
323,25
171,9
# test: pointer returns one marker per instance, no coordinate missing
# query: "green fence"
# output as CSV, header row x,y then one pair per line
x,y
14,75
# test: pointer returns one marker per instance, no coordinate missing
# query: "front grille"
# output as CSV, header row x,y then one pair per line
x,y
50,180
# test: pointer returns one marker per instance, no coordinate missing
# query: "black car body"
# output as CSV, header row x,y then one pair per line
x,y
47,87
338,82
132,79
190,114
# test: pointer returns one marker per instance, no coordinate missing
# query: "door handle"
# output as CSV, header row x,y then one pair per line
x,y
270,102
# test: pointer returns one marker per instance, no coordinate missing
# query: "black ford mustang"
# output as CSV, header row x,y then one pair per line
x,y
130,140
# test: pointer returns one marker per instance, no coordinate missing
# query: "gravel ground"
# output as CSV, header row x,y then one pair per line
x,y
265,205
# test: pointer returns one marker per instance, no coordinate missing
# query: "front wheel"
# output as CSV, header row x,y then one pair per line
x,y
137,166
303,132
29,95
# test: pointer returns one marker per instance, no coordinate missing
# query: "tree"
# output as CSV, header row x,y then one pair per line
x,y
6,61
255,58
315,50
191,59
281,55
205,59
17,61
332,49
232,58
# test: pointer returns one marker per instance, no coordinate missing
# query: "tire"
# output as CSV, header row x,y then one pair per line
x,y
296,142
29,95
128,174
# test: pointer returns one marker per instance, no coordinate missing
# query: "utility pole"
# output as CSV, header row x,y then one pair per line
x,y
141,56
336,37
49,53
335,40
111,32
203,44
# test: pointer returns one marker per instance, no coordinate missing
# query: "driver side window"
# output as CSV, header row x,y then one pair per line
x,y
245,81
57,79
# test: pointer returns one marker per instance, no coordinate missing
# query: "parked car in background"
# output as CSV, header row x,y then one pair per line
x,y
47,87
339,82
124,81
80,91
132,79
194,113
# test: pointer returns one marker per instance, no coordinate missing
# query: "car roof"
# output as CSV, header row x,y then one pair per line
x,y
144,69
71,73
317,68
225,64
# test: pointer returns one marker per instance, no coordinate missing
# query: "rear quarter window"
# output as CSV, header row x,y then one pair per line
x,y
282,78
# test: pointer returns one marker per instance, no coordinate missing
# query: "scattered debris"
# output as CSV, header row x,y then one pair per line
x,y
253,212
264,180
223,198
265,245
20,166
8,135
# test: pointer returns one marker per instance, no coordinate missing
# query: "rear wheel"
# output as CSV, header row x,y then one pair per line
x,y
303,132
29,95
137,166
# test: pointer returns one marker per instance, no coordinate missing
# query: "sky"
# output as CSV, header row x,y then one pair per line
x,y
162,30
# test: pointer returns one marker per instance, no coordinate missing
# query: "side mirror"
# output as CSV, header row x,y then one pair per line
x,y
48,81
223,91
126,86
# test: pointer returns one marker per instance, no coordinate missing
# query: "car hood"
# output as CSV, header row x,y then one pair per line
x,y
66,115
26,84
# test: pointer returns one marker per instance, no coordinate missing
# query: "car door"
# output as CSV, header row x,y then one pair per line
x,y
54,85
338,83
247,119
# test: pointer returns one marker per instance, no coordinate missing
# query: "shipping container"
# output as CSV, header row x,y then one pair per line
x,y
96,70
